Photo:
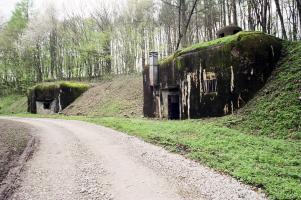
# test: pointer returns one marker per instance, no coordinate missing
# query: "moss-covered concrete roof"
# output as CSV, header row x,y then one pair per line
x,y
60,84
220,41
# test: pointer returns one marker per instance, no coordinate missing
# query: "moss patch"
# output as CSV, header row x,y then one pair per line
x,y
232,39
57,85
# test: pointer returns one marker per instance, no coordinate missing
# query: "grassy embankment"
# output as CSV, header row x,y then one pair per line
x,y
261,145
13,104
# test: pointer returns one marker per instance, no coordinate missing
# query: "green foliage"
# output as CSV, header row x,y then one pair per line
x,y
46,86
166,60
13,104
240,36
48,48
16,24
59,84
10,57
78,85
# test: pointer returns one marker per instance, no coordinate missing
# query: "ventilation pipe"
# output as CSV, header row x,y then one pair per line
x,y
153,69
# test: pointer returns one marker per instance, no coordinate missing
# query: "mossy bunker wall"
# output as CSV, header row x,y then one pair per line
x,y
49,98
209,79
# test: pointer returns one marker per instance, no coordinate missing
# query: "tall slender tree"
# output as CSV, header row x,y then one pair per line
x,y
281,19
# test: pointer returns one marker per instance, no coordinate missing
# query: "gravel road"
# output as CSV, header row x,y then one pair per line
x,y
78,160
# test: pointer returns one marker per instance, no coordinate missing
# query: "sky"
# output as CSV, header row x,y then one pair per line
x,y
6,7
62,6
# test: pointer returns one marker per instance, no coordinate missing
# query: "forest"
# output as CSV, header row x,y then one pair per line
x,y
37,47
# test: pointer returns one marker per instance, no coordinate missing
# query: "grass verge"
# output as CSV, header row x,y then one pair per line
x,y
276,110
13,104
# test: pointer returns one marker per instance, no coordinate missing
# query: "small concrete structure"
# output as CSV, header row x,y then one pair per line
x,y
53,98
228,30
47,107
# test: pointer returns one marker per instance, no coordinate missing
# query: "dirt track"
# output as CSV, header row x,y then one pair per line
x,y
78,160
13,139
16,146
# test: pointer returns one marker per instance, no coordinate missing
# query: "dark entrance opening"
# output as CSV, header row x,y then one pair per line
x,y
173,107
46,105
221,35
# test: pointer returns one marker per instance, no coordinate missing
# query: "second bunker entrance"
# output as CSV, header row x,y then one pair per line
x,y
173,106
53,97
171,103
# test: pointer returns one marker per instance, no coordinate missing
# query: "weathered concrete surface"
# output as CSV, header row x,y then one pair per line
x,y
212,78
78,160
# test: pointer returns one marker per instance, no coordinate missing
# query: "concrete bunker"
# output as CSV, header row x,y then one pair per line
x,y
209,79
47,106
228,30
50,98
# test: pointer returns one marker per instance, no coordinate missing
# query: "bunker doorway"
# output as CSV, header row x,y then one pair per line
x,y
47,105
173,107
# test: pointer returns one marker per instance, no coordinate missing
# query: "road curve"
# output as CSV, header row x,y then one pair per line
x,y
79,160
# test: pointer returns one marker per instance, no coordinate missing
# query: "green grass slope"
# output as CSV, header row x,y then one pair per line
x,y
276,110
121,96
13,104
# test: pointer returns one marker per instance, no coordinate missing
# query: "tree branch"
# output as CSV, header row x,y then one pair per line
x,y
170,4
187,24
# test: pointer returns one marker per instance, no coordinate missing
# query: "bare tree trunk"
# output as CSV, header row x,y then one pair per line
x,y
143,48
186,26
224,13
293,11
281,19
234,12
299,10
53,52
229,12
250,18
37,62
184,40
264,16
